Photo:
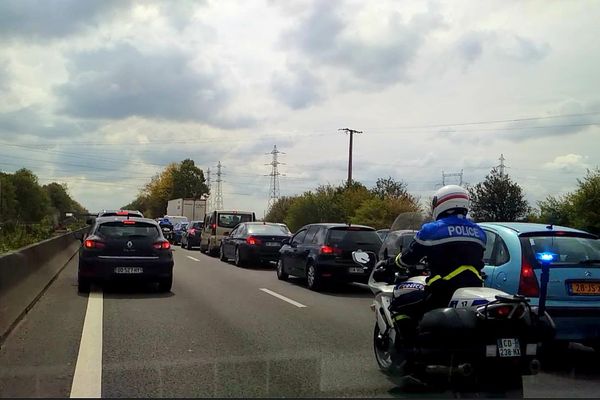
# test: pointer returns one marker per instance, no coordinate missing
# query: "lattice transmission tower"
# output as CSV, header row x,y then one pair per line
x,y
274,189
218,202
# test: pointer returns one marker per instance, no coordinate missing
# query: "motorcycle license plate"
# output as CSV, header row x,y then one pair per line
x,y
509,348
129,270
356,270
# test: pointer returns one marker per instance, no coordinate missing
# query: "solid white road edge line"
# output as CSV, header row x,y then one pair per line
x,y
281,297
87,380
192,258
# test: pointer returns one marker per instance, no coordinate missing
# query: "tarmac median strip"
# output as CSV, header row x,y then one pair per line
x,y
87,380
281,297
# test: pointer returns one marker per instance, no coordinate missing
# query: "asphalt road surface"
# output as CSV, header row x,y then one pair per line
x,y
223,331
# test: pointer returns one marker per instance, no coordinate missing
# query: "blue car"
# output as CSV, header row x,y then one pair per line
x,y
574,288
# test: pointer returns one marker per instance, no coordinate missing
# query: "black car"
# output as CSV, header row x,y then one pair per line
x,y
254,242
191,236
323,252
396,242
125,248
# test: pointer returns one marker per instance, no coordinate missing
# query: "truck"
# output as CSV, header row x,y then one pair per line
x,y
193,209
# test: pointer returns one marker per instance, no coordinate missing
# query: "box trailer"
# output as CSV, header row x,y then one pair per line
x,y
190,208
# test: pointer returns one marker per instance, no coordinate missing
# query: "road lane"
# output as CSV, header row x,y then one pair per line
x,y
218,334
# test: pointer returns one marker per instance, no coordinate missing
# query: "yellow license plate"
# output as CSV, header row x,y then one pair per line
x,y
585,288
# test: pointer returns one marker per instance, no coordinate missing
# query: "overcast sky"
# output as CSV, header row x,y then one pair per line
x,y
102,94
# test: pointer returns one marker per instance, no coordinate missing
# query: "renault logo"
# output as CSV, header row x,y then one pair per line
x,y
588,274
129,244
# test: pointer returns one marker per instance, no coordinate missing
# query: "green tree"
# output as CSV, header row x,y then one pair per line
x,y
498,198
8,198
309,208
389,187
279,210
585,202
32,200
348,198
188,181
380,212
555,210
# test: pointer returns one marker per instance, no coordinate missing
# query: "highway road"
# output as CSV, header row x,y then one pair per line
x,y
223,331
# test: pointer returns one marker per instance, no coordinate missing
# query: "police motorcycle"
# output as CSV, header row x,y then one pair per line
x,y
485,341
167,228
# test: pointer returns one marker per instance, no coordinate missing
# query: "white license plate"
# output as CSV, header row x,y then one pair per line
x,y
129,270
509,348
273,244
356,270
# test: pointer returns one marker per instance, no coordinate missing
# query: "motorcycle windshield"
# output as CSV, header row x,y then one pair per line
x,y
408,221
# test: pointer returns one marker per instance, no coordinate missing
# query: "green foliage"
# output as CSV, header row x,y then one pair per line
x,y
389,187
498,198
309,208
61,201
279,209
554,210
32,201
380,212
585,202
177,180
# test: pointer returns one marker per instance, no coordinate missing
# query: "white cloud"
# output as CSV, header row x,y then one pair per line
x,y
568,163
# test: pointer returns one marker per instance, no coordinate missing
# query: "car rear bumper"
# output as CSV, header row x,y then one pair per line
x,y
260,253
193,240
341,272
576,324
105,269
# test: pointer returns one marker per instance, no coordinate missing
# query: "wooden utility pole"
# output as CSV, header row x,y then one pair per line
x,y
351,132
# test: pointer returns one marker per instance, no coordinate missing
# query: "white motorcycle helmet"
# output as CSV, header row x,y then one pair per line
x,y
451,199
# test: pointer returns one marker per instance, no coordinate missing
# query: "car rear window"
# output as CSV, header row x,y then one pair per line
x,y
268,230
197,225
569,249
120,230
350,238
233,220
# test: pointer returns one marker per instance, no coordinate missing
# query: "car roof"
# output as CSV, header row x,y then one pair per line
x,y
262,223
529,227
124,218
339,225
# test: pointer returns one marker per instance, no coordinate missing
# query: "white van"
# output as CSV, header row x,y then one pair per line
x,y
218,224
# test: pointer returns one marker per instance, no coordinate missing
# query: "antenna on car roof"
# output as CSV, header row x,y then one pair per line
x,y
550,227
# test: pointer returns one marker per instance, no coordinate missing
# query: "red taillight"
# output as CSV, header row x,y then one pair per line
x,y
129,222
93,244
503,311
252,241
528,284
122,213
330,250
214,228
162,245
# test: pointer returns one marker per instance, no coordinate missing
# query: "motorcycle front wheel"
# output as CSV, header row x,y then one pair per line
x,y
383,351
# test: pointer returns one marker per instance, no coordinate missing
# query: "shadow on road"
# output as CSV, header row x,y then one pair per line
x,y
577,362
123,290
336,289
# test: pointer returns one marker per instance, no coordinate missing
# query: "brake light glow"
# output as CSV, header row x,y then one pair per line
x,y
93,244
122,213
192,231
330,250
502,311
129,222
162,245
252,241
528,284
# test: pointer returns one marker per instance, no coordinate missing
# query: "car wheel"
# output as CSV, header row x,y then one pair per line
x,y
313,280
165,284
83,285
239,261
211,250
189,245
281,274
222,253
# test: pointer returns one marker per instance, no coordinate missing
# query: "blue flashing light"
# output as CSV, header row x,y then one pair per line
x,y
546,257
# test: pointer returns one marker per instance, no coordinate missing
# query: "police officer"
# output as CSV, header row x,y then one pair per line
x,y
453,247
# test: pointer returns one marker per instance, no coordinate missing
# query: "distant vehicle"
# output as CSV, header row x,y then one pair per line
x,y
192,209
252,242
191,236
574,286
383,233
396,242
121,248
175,219
219,223
120,213
178,231
323,252
166,226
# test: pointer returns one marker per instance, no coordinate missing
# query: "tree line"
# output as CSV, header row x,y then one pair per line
x,y
178,180
30,212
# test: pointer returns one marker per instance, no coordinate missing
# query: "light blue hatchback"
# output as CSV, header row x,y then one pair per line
x,y
574,288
